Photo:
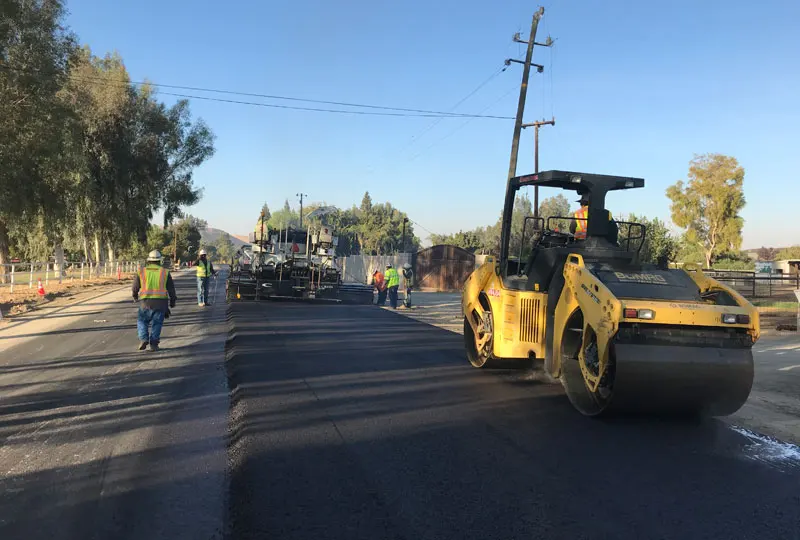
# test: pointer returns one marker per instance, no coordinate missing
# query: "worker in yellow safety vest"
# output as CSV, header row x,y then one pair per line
x,y
392,284
204,271
154,289
580,224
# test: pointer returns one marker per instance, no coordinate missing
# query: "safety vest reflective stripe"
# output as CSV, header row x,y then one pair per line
x,y
582,221
392,278
202,269
153,283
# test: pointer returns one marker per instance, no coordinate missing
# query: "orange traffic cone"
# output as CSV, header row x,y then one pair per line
x,y
41,288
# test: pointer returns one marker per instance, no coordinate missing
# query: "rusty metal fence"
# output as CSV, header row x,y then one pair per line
x,y
27,274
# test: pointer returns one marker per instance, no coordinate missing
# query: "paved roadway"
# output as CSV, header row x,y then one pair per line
x,y
774,404
354,422
98,440
346,422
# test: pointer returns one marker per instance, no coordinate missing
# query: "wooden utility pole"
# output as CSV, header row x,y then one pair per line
x,y
301,195
505,232
405,220
536,126
523,90
175,248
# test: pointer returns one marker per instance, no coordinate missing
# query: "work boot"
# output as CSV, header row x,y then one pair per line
x,y
154,345
142,345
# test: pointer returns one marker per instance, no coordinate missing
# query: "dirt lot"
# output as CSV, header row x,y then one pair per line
x,y
25,299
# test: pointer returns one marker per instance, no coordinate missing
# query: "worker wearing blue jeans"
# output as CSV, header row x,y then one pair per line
x,y
154,289
392,284
148,326
204,271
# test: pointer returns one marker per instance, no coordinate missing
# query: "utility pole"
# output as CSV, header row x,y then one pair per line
x,y
523,90
505,233
536,126
405,220
301,195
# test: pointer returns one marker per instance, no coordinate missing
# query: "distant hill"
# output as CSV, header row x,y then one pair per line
x,y
210,235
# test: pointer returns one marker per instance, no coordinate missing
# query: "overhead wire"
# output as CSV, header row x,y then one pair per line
x,y
454,107
370,169
420,226
462,125
418,112
340,111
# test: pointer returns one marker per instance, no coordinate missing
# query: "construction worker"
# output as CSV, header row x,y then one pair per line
x,y
153,287
204,271
392,284
579,225
380,285
408,282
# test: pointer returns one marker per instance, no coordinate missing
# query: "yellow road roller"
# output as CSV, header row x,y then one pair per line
x,y
621,336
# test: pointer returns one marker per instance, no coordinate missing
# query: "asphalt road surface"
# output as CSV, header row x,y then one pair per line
x,y
99,440
355,422
347,422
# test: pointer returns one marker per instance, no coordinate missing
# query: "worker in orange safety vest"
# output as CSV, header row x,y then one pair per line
x,y
380,284
579,225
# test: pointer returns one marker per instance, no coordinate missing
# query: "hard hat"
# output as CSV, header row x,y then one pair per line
x,y
154,255
202,252
407,266
388,266
584,198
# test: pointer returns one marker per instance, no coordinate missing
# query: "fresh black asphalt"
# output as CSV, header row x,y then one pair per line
x,y
343,422
101,441
355,422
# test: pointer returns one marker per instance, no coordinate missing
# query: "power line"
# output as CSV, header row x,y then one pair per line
x,y
436,122
454,107
420,226
420,112
340,111
462,125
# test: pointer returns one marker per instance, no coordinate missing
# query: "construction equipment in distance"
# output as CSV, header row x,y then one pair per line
x,y
620,335
293,263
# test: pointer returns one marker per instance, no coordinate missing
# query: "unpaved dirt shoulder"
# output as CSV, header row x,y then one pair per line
x,y
24,300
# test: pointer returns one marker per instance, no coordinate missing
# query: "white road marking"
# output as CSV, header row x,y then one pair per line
x,y
789,368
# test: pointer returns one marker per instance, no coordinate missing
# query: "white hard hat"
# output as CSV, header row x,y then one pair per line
x,y
202,252
407,266
154,255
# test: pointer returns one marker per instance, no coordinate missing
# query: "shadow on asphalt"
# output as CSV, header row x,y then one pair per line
x,y
73,427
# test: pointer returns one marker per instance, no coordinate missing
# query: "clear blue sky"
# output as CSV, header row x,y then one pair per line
x,y
637,88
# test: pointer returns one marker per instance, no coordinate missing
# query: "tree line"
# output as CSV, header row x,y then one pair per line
x,y
88,158
705,208
367,229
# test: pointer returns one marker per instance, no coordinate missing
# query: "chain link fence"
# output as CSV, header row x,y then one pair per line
x,y
15,276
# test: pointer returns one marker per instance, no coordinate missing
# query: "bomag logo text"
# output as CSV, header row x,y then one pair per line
x,y
655,279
